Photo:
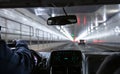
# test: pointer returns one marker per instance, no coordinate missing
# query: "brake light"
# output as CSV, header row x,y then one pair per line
x,y
78,20
84,20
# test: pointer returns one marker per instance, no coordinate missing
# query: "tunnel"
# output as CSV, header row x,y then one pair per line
x,y
95,24
96,34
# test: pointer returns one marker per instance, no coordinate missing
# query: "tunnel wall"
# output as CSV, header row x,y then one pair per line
x,y
16,25
112,28
107,33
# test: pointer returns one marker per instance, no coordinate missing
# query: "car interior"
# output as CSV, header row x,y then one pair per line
x,y
89,31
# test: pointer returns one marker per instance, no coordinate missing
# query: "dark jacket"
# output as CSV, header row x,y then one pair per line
x,y
15,62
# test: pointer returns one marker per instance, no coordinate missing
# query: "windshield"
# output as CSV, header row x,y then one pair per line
x,y
96,24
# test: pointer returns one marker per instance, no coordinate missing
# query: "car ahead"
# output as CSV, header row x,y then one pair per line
x,y
81,42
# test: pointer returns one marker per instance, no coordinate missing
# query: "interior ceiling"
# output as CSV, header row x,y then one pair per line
x,y
82,12
53,3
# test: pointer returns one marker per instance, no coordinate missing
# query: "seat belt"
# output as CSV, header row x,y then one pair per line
x,y
0,32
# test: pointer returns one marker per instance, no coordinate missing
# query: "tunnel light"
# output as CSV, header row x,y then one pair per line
x,y
113,11
104,14
117,29
39,11
53,15
66,33
104,24
24,19
62,27
72,35
91,31
96,21
8,12
81,36
88,29
92,27
96,28
96,24
58,27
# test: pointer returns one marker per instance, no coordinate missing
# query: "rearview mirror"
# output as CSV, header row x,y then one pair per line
x,y
62,20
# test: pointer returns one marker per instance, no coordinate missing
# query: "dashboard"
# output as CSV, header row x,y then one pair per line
x,y
66,58
66,62
71,62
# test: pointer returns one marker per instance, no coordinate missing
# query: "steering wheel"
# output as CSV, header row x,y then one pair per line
x,y
36,59
111,65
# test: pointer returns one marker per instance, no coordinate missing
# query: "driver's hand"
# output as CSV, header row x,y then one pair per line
x,y
21,43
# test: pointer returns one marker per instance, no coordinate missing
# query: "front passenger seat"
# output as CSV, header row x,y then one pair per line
x,y
111,65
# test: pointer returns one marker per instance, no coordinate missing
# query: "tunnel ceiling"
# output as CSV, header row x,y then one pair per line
x,y
86,15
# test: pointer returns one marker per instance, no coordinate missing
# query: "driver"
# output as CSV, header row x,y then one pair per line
x,y
15,62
